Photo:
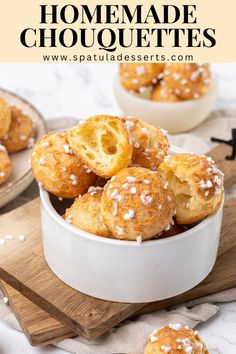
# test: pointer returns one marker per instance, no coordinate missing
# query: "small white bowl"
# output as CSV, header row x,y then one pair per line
x,y
125,271
176,117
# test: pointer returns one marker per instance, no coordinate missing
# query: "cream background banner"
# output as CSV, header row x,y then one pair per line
x,y
15,16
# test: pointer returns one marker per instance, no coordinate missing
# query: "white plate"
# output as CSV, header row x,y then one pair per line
x,y
21,176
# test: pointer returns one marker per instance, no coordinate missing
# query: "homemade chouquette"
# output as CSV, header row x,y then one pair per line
x,y
16,134
175,339
167,82
146,193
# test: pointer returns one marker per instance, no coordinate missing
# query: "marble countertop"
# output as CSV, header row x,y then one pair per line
x,y
81,91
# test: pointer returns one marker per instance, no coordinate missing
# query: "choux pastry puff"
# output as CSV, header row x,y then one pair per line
x,y
136,204
187,81
20,133
85,213
175,339
5,165
161,94
5,117
197,185
102,143
136,77
150,144
57,168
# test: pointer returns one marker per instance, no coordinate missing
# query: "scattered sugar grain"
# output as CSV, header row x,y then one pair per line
x,y
2,242
131,179
45,144
133,190
21,238
165,348
31,143
153,338
42,161
5,300
139,239
129,215
9,237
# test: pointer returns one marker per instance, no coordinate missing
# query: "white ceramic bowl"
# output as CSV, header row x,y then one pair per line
x,y
125,271
175,117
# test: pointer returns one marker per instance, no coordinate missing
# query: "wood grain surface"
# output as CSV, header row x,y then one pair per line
x,y
84,315
228,167
39,327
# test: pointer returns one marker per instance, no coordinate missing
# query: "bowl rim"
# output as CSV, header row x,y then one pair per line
x,y
45,200
212,89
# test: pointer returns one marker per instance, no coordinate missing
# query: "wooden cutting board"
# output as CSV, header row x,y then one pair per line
x,y
83,315
39,327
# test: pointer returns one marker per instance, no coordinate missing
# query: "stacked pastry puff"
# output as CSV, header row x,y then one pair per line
x,y
16,134
125,184
167,82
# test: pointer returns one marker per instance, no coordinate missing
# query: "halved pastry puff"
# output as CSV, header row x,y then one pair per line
x,y
197,185
102,143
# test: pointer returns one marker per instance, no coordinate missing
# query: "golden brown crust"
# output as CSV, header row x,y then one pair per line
x,y
102,143
136,203
187,81
134,77
150,144
5,117
175,339
196,183
21,132
85,213
161,94
5,165
58,169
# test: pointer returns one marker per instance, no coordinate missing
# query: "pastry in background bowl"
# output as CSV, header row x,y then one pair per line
x,y
197,185
137,77
58,169
186,81
161,94
178,99
175,339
